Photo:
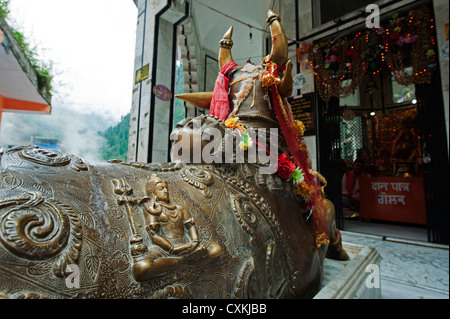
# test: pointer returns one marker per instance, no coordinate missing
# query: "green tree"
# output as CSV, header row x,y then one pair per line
x,y
4,11
117,140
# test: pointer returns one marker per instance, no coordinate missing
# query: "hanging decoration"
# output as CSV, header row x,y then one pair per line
x,y
340,64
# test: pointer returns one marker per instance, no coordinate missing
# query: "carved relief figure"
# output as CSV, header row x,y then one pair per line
x,y
173,233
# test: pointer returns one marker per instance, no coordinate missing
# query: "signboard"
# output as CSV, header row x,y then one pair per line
x,y
303,109
399,199
142,74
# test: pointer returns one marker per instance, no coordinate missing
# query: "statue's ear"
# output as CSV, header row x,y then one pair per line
x,y
286,86
198,99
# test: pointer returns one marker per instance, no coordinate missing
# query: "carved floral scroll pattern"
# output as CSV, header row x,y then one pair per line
x,y
32,227
246,286
247,206
199,178
50,157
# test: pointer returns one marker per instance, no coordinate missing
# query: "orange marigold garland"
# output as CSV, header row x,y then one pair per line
x,y
232,123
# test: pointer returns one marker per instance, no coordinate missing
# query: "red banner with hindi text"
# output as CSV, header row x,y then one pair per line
x,y
399,199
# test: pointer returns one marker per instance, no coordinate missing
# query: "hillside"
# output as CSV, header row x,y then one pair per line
x,y
116,137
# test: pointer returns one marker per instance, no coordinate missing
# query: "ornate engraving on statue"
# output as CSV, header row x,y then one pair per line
x,y
124,190
38,269
44,156
269,258
245,213
120,261
276,272
78,164
11,180
28,295
174,236
92,262
34,228
246,285
50,157
153,167
87,219
199,178
175,291
284,265
238,181
115,212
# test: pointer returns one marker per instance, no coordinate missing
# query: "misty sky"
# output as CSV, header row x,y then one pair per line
x,y
91,44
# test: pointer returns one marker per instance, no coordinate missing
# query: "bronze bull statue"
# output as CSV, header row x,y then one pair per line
x,y
71,229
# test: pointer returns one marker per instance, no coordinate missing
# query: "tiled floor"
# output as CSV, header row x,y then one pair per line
x,y
411,268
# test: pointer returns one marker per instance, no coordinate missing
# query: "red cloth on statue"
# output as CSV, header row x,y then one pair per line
x,y
220,105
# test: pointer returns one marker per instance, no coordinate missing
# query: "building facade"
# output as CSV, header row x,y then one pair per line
x,y
356,103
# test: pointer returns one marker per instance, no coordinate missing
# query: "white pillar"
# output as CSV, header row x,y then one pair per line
x,y
150,116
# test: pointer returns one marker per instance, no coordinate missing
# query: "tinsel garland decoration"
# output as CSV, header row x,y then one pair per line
x,y
413,41
340,64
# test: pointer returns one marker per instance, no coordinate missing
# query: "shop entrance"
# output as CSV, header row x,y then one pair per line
x,y
380,106
398,134
379,134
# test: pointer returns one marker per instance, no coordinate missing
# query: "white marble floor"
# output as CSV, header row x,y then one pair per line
x,y
410,269
414,232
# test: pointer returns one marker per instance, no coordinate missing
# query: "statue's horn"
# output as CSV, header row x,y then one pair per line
x,y
225,48
279,53
199,99
286,85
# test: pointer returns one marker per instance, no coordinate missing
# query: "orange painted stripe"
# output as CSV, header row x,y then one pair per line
x,y
19,105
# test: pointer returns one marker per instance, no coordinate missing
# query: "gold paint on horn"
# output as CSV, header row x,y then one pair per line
x,y
225,48
198,99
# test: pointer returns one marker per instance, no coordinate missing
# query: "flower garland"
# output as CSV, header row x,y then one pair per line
x,y
340,64
286,169
245,141
299,170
